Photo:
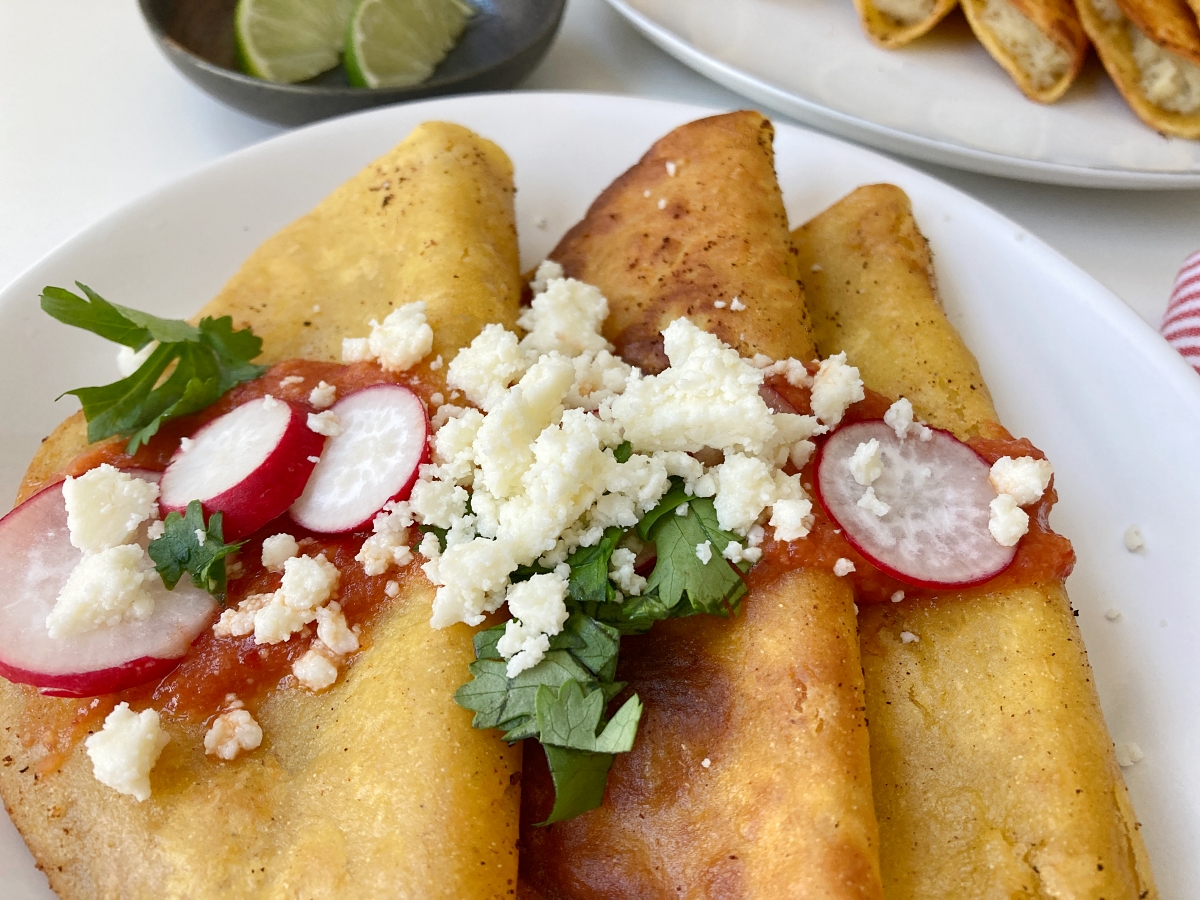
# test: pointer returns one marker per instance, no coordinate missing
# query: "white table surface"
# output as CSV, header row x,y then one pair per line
x,y
92,116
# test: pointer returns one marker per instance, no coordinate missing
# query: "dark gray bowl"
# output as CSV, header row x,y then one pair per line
x,y
502,44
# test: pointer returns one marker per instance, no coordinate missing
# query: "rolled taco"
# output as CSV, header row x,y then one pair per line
x,y
377,786
894,23
750,775
1040,43
993,771
1151,50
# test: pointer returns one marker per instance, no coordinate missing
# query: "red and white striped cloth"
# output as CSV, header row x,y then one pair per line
x,y
1181,321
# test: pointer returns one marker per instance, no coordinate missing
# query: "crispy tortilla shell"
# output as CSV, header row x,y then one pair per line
x,y
378,787
1168,23
888,31
1057,22
771,699
993,771
662,246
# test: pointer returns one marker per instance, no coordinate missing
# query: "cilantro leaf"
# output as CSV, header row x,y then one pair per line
x,y
571,718
579,781
498,700
592,643
623,451
208,359
182,549
589,570
712,587
670,502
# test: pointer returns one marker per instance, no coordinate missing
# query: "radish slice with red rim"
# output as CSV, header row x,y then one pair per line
x,y
935,533
250,465
383,441
36,559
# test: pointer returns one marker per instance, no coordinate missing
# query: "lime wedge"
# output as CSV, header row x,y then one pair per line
x,y
397,43
286,41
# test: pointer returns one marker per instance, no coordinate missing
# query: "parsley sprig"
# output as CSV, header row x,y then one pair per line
x,y
561,701
208,358
188,545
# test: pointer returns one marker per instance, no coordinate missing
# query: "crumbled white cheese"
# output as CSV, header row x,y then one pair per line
x,y
547,271
662,202
403,339
1025,479
156,529
239,621
333,631
308,582
130,360
1008,522
1112,614
706,762
325,423
873,504
492,362
843,567
231,734
356,350
269,402
737,305
671,168
323,395
866,463
835,387
201,536
388,545
125,750
565,317
707,398
1128,753
539,605
745,487
816,267
436,364
314,671
291,380
185,444
392,589
277,550
704,552
105,589
899,417
1133,539
105,506
907,637
718,304
898,596
621,571
791,518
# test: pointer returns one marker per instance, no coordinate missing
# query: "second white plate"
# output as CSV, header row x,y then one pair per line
x,y
942,99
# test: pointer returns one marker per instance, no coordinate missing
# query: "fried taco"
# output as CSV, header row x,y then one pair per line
x,y
993,771
374,785
750,774
1040,43
1151,50
894,23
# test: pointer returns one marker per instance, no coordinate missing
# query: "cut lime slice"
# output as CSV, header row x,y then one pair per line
x,y
397,43
286,41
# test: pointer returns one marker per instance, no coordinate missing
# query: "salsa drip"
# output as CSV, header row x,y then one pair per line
x,y
1042,556
195,691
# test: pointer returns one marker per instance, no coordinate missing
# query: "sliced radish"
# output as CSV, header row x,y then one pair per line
x,y
383,441
936,532
250,465
36,558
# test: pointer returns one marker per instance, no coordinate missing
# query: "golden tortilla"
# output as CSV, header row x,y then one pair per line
x,y
1056,20
771,700
378,787
993,771
888,31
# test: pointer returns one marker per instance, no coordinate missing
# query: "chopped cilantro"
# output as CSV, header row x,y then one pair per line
x,y
561,701
209,359
182,549
623,451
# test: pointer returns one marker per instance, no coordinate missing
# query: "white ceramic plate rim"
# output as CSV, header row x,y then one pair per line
x,y
891,139
1110,376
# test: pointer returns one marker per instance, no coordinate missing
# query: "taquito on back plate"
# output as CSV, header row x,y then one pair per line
x,y
1151,49
1039,43
993,771
894,23
378,787
750,775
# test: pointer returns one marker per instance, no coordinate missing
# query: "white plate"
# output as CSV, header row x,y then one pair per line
x,y
941,99
1070,365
